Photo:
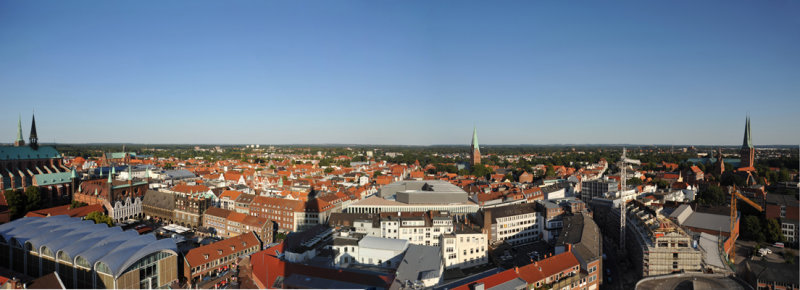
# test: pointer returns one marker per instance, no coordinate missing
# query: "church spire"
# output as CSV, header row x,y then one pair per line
x,y
34,140
19,141
475,145
475,155
748,142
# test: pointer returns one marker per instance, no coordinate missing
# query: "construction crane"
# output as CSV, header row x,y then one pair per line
x,y
623,162
735,194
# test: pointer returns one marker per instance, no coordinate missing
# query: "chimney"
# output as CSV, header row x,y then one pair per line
x,y
569,247
516,269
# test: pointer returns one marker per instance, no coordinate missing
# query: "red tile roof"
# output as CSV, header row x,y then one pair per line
x,y
491,281
65,210
540,270
197,256
267,268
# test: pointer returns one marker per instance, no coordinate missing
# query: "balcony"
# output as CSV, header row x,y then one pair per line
x,y
567,281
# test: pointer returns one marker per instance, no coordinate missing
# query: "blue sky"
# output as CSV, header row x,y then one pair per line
x,y
401,72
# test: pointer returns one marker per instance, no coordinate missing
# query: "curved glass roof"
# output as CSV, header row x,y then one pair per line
x,y
94,242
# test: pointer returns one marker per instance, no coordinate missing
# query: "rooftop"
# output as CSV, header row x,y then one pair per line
x,y
95,243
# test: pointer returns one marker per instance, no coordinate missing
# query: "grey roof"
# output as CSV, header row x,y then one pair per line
x,y
774,272
424,192
782,199
682,213
709,244
398,245
179,174
582,232
708,221
159,199
94,242
419,263
513,284
510,210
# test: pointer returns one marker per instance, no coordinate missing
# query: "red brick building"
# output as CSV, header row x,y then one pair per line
x,y
24,165
121,199
475,154
214,259
785,209
282,211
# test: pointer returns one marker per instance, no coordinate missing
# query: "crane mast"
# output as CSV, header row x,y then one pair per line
x,y
624,161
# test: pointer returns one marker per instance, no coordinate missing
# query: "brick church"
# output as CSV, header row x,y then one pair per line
x,y
23,165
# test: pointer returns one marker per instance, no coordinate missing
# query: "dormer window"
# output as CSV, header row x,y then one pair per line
x,y
205,256
219,252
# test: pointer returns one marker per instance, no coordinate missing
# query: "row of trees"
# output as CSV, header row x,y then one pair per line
x,y
756,228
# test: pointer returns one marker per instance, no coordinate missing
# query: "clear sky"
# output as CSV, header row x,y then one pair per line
x,y
401,72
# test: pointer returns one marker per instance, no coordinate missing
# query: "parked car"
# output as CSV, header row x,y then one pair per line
x,y
778,244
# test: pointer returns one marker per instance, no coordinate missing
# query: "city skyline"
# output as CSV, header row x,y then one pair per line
x,y
401,74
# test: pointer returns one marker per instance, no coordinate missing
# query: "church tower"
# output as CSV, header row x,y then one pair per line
x,y
19,142
475,156
748,152
34,140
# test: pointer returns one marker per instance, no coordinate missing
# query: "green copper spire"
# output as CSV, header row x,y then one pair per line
x,y
748,142
109,177
19,130
475,145
130,173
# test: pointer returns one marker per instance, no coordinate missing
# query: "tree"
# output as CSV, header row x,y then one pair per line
x,y
376,174
99,218
77,204
635,181
712,195
34,199
550,172
772,231
328,170
480,170
751,228
16,203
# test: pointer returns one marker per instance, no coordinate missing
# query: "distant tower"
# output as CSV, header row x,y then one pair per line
x,y
19,142
475,157
720,166
34,140
748,152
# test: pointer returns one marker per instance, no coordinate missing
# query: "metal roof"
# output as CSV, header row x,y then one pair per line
x,y
115,248
53,178
397,245
26,152
709,221
420,263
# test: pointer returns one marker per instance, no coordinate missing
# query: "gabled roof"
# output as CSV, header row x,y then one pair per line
x,y
158,199
197,256
66,210
540,270
26,152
